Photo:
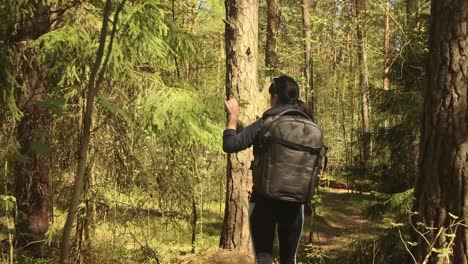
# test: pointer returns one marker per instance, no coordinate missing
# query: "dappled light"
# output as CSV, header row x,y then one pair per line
x,y
234,131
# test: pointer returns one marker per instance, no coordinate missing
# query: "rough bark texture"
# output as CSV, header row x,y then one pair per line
x,y
307,68
273,20
32,183
363,82
241,82
412,12
442,183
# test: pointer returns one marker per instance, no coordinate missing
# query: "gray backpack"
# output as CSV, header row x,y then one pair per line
x,y
288,156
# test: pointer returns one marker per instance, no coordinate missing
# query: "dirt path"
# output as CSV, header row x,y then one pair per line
x,y
338,224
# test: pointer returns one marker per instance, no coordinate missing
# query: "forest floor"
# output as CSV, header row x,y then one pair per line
x,y
337,227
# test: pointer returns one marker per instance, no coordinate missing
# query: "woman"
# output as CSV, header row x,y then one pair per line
x,y
266,214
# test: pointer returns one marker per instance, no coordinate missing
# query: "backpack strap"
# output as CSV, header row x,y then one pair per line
x,y
323,155
295,111
296,146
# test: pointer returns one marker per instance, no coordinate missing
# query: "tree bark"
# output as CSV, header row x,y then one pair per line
x,y
412,12
273,20
271,57
307,68
386,78
363,83
441,187
241,38
32,181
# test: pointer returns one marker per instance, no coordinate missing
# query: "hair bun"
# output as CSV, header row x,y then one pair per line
x,y
286,88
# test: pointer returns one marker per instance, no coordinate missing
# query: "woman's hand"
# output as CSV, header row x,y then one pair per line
x,y
233,110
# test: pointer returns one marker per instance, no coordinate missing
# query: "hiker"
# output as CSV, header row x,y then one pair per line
x,y
266,213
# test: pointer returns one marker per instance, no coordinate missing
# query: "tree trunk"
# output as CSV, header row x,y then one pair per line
x,y
96,77
307,68
412,12
442,184
83,218
363,83
32,182
386,78
273,20
271,57
241,82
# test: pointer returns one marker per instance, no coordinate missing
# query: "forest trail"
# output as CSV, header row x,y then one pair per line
x,y
338,225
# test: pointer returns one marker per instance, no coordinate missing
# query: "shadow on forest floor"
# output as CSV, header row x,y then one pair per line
x,y
338,224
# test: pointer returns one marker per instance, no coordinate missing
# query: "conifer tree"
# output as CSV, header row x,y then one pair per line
x,y
441,185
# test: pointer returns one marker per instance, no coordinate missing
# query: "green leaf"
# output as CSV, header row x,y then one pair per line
x,y
413,244
453,216
41,148
8,198
56,105
20,157
104,102
396,224
450,235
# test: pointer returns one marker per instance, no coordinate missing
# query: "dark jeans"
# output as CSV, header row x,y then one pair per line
x,y
265,215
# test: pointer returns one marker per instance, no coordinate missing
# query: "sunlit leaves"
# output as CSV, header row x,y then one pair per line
x,y
182,115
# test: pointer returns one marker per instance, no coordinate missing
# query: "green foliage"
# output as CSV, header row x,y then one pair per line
x,y
397,205
182,115
315,254
387,248
8,85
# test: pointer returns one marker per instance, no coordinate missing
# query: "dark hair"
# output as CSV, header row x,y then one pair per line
x,y
286,88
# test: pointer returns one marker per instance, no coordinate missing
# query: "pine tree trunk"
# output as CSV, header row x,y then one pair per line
x,y
442,183
386,78
273,20
307,68
241,82
363,83
271,57
412,12
32,181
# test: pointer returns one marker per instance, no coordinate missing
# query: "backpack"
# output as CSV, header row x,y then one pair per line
x,y
287,158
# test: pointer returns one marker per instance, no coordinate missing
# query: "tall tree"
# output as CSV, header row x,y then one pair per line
x,y
32,179
361,31
412,12
386,78
241,38
96,77
273,20
308,66
442,183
